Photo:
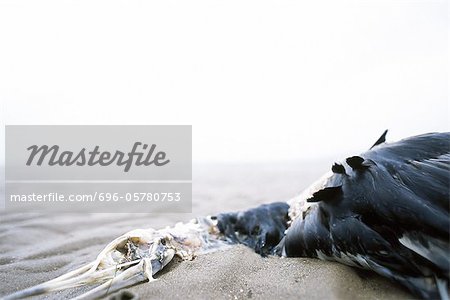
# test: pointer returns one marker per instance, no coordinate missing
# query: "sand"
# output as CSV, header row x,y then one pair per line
x,y
35,247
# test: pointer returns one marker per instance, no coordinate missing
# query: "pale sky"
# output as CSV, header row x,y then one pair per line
x,y
258,80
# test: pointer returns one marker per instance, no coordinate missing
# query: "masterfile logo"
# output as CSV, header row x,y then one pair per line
x,y
99,168
93,157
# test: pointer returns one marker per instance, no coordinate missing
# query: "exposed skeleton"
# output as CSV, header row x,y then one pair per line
x,y
135,257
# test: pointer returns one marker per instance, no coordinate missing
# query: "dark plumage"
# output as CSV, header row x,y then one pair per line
x,y
246,227
386,210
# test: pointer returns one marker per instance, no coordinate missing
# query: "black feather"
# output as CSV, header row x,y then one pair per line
x,y
356,162
326,194
381,139
338,168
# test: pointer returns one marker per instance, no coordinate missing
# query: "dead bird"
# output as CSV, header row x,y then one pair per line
x,y
386,210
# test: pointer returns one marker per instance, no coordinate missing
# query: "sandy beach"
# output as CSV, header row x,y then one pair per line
x,y
35,248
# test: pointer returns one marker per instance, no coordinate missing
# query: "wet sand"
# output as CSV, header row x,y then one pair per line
x,y
35,247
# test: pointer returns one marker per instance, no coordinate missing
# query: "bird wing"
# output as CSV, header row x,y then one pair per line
x,y
386,210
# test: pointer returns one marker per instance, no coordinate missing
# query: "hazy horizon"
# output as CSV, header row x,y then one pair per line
x,y
269,81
